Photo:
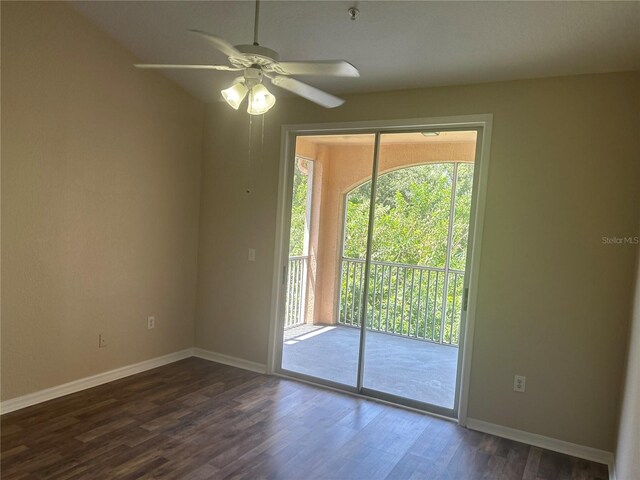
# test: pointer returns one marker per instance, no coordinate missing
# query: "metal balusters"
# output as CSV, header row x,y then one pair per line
x,y
386,322
413,275
453,307
295,297
357,318
353,293
402,295
404,289
426,307
343,308
435,306
373,302
419,304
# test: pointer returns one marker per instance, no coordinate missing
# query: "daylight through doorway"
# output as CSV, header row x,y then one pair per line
x,y
375,294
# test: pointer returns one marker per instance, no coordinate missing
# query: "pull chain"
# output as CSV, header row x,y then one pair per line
x,y
248,188
262,142
250,151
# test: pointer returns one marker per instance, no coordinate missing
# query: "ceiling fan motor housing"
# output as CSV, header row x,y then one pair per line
x,y
252,76
257,54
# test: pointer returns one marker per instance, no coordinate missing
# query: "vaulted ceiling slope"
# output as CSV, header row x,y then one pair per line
x,y
395,44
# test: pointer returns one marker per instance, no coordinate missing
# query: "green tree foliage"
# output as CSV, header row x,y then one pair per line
x,y
462,213
412,216
299,208
411,228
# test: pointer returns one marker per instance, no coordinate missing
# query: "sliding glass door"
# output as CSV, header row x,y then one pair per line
x,y
418,260
314,344
376,279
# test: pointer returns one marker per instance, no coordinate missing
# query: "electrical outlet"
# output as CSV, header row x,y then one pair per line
x,y
151,322
252,255
102,342
519,383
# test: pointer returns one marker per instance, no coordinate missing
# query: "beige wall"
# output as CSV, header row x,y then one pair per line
x,y
628,447
100,202
554,302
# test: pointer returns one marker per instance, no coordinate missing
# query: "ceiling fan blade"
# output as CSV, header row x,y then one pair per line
x,y
221,44
338,68
188,67
307,91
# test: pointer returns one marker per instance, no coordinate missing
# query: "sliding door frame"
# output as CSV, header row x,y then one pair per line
x,y
482,124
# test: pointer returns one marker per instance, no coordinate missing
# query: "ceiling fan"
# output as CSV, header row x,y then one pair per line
x,y
257,62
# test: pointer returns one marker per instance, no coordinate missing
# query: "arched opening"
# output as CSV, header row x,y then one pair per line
x,y
418,252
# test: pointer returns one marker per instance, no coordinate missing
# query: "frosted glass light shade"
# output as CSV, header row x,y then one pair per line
x,y
260,100
235,94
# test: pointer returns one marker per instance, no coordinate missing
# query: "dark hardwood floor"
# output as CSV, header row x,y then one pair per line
x,y
196,419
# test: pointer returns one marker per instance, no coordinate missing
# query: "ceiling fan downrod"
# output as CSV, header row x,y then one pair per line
x,y
255,24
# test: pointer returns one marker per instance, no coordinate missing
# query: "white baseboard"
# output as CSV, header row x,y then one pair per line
x,y
229,360
24,401
560,446
92,381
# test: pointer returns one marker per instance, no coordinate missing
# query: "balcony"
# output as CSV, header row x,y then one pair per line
x,y
413,327
331,352
418,302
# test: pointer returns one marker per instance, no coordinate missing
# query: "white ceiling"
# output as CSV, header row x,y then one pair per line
x,y
395,44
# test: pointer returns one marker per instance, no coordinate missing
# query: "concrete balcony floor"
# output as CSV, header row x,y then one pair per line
x,y
406,367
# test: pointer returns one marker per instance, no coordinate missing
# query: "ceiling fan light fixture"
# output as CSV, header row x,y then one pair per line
x,y
260,100
235,94
257,62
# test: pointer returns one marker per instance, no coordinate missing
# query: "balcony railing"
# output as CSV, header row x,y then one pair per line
x,y
296,291
419,302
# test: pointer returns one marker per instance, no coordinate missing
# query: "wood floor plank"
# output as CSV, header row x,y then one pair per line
x,y
532,465
196,419
516,459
